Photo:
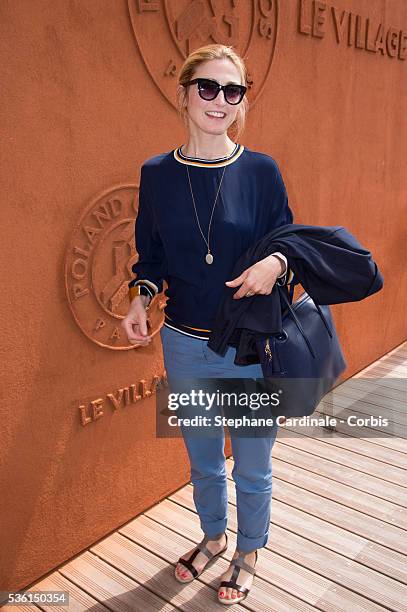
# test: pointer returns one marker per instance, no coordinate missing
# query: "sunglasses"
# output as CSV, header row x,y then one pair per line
x,y
208,90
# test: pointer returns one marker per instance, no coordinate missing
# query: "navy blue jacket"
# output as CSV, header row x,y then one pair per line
x,y
329,262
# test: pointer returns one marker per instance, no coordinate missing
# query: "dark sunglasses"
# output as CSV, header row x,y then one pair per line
x,y
208,90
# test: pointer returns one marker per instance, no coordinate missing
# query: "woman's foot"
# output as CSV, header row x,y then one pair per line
x,y
199,562
244,578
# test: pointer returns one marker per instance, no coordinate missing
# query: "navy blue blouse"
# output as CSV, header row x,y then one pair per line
x,y
252,201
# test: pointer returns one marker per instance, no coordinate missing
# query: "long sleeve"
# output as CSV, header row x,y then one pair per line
x,y
151,264
285,215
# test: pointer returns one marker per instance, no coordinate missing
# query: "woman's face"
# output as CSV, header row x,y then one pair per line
x,y
223,71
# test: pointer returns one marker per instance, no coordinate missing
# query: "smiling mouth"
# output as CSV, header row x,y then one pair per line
x,y
220,116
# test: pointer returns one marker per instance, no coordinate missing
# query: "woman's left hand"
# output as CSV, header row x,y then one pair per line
x,y
258,278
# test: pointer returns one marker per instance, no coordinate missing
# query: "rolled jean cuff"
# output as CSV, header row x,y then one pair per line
x,y
215,528
246,544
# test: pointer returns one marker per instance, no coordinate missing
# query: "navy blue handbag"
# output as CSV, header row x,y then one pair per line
x,y
303,362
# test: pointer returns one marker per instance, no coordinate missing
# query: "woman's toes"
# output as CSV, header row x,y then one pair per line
x,y
225,593
182,572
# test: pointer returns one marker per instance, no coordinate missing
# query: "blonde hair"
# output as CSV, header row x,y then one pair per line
x,y
199,56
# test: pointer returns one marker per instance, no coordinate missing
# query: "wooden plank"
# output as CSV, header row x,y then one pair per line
x,y
293,554
169,544
375,435
389,457
376,386
386,363
147,568
397,407
388,431
382,378
352,520
351,395
385,388
348,496
316,530
322,530
389,370
112,587
360,400
341,457
395,357
397,350
338,514
22,608
79,600
337,539
343,407
340,473
383,361
376,370
394,360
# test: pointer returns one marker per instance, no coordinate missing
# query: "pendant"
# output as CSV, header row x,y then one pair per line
x,y
209,258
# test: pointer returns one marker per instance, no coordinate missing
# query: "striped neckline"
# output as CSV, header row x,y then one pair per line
x,y
209,163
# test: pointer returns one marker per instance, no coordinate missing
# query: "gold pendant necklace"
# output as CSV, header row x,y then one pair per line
x,y
208,256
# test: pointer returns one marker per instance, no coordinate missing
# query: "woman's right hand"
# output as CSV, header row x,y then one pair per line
x,y
135,323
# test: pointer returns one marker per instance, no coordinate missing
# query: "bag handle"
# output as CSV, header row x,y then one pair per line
x,y
297,322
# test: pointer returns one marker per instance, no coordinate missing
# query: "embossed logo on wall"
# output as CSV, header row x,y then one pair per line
x,y
98,268
178,27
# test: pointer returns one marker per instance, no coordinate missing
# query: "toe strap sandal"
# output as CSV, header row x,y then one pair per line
x,y
201,547
239,564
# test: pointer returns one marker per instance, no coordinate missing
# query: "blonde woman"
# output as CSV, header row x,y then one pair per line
x,y
201,206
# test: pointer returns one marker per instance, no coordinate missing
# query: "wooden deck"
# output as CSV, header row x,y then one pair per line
x,y
338,534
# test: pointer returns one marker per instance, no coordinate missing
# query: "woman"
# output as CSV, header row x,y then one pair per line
x,y
200,207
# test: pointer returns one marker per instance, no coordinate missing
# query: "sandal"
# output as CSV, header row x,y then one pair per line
x,y
212,557
238,563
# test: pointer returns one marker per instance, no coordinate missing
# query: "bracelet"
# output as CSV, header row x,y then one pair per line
x,y
285,265
138,290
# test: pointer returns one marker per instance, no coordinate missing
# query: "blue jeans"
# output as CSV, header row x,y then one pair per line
x,y
185,356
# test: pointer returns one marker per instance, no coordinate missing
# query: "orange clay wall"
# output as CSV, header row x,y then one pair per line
x,y
88,93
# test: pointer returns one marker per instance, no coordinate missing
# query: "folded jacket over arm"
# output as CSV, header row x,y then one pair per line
x,y
329,262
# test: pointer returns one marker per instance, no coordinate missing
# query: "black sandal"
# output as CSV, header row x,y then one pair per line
x,y
238,563
212,557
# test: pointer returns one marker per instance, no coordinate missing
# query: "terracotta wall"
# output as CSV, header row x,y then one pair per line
x,y
88,94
